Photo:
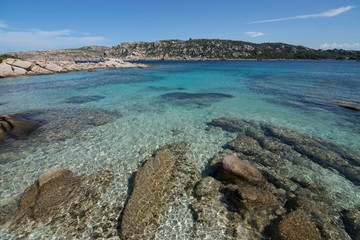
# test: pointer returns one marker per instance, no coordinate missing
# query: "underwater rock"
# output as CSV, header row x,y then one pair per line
x,y
63,199
197,99
288,144
298,225
351,219
246,145
213,220
186,96
164,88
47,126
163,177
251,196
231,124
207,186
349,105
52,174
270,210
234,168
83,99
16,126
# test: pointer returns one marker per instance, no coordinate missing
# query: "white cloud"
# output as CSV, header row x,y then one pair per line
x,y
3,25
37,39
349,46
254,34
329,13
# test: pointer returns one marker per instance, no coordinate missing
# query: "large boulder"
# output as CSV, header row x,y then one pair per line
x,y
233,168
23,64
18,71
63,200
6,70
163,178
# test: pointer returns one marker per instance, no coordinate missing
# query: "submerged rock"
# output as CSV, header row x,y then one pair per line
x,y
199,99
46,126
185,96
234,168
16,126
351,219
62,200
83,99
349,105
298,225
165,176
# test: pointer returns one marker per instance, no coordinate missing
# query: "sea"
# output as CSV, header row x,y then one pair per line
x,y
172,102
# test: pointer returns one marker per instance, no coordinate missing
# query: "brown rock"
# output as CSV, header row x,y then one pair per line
x,y
246,145
52,174
234,167
16,126
64,199
207,186
252,196
298,225
155,184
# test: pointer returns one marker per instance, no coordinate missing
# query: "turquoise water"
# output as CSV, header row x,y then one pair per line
x,y
154,109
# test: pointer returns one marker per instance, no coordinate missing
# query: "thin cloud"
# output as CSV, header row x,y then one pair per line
x,y
329,13
348,46
254,34
37,39
3,25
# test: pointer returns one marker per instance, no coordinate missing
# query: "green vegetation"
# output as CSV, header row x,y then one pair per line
x,y
227,49
5,56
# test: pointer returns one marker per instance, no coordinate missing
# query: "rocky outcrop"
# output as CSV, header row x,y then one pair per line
x,y
26,131
165,176
62,200
266,141
16,126
89,53
286,205
14,67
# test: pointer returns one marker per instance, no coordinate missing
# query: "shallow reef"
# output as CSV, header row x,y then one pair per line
x,y
266,183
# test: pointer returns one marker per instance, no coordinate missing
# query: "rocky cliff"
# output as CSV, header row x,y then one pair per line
x,y
202,49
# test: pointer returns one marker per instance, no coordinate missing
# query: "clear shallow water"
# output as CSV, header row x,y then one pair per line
x,y
299,95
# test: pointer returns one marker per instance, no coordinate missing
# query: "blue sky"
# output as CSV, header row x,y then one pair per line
x,y
52,24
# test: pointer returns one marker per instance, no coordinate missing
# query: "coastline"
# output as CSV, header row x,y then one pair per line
x,y
15,67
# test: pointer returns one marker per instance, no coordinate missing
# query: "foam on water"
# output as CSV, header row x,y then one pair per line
x,y
271,92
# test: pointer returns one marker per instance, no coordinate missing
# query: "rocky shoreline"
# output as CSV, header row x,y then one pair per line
x,y
15,67
266,183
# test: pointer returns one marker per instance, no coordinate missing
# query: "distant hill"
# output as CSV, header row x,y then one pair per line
x,y
89,53
192,49
223,49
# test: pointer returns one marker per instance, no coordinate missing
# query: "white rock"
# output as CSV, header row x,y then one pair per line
x,y
6,70
54,67
39,70
9,61
18,71
23,64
